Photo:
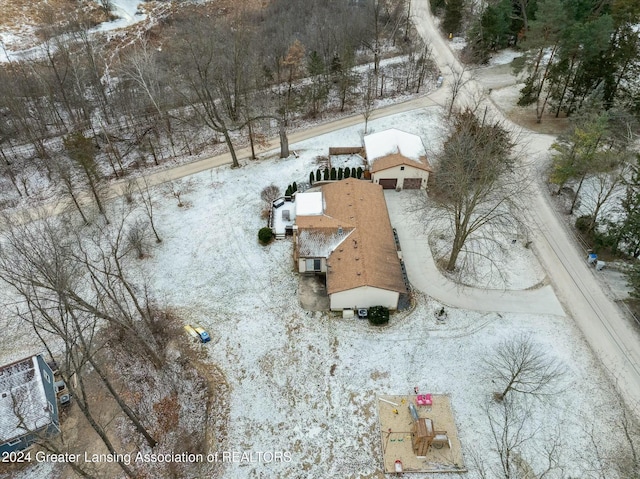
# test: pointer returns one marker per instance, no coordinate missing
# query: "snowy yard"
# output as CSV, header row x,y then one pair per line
x,y
307,382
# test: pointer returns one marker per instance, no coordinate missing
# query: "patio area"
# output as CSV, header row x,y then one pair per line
x,y
283,217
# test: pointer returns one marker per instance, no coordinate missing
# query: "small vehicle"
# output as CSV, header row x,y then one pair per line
x,y
204,336
439,81
63,395
198,333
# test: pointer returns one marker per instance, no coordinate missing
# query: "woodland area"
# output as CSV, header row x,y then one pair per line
x,y
82,110
581,61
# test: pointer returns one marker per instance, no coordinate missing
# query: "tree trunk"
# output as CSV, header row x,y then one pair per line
x,y
284,141
566,85
575,197
232,150
455,251
125,408
153,228
75,202
253,150
94,191
540,108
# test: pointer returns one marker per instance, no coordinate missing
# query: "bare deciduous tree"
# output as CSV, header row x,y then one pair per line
x,y
477,183
368,99
68,179
269,194
137,238
510,423
147,202
82,151
626,460
459,78
520,365
176,190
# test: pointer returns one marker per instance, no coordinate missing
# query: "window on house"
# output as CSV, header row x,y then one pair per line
x,y
46,376
13,443
402,168
313,265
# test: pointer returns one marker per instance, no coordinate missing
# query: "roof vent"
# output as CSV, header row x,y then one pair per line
x,y
340,230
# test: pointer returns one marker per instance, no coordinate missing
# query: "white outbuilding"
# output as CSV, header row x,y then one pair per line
x,y
397,160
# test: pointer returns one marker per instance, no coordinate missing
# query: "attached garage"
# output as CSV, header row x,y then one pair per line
x,y
412,183
388,183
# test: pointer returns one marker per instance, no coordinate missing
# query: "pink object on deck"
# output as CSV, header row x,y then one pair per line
x,y
424,400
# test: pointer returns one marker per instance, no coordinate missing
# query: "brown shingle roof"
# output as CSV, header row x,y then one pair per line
x,y
368,256
396,159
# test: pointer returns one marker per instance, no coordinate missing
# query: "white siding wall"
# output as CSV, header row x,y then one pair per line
x,y
396,172
302,265
364,297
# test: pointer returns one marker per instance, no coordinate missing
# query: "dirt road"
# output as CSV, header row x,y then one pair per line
x,y
609,333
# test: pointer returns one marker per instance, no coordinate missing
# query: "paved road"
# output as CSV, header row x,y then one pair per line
x,y
607,330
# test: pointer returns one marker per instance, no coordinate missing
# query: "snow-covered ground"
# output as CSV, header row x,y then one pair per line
x,y
504,57
306,382
493,261
128,13
506,98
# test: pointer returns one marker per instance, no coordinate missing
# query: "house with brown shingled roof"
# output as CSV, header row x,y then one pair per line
x,y
345,233
397,159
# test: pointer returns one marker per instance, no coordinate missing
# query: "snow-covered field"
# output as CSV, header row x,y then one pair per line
x,y
504,57
128,13
306,382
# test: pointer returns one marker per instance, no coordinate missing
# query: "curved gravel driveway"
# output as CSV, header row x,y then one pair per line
x,y
425,276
